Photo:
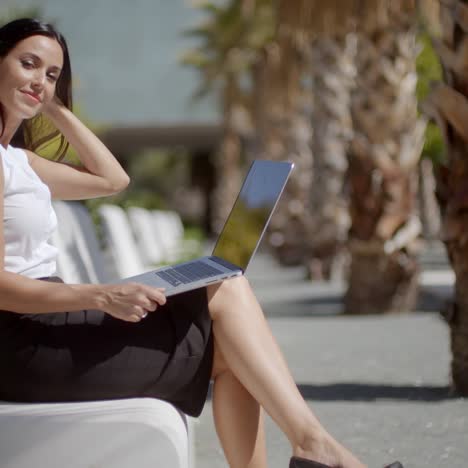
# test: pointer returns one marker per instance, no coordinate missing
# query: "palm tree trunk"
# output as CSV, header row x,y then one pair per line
x,y
333,74
284,87
228,160
283,132
448,105
383,172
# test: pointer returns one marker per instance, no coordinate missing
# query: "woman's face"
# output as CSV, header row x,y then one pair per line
x,y
28,76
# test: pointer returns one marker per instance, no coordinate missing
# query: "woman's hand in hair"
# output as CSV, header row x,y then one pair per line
x,y
131,301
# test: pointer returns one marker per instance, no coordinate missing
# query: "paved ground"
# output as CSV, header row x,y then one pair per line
x,y
379,384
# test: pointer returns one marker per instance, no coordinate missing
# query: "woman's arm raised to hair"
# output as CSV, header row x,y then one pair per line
x,y
102,174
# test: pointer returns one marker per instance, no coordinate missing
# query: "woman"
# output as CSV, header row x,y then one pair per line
x,y
61,342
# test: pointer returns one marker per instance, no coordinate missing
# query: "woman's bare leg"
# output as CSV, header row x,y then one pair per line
x,y
251,353
238,419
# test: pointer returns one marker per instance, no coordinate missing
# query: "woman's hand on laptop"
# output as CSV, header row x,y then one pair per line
x,y
131,301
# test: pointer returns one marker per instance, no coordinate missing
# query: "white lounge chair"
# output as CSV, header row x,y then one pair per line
x,y
142,432
170,231
80,259
148,238
120,242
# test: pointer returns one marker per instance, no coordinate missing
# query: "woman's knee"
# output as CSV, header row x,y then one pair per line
x,y
228,292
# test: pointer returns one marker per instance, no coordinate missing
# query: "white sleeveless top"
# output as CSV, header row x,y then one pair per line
x,y
28,218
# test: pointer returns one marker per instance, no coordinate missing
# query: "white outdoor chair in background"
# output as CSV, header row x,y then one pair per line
x,y
187,246
176,223
120,241
80,259
143,432
148,238
170,231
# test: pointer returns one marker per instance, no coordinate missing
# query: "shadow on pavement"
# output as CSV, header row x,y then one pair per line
x,y
369,392
328,305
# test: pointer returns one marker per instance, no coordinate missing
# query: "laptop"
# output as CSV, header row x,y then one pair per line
x,y
239,238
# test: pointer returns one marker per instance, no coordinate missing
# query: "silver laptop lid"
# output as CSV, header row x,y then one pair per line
x,y
249,217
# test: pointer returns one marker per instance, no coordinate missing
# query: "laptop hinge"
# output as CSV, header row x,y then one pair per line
x,y
225,263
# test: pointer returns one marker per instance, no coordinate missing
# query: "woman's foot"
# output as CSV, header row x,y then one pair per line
x,y
328,451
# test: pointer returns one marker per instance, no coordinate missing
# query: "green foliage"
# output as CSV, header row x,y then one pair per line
x,y
155,175
434,144
429,69
159,171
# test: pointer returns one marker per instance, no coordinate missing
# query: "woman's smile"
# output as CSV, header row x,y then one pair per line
x,y
32,97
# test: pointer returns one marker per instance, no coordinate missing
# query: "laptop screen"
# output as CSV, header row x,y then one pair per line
x,y
251,212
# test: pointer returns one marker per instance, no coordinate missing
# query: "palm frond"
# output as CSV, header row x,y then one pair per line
x,y
230,37
202,31
195,58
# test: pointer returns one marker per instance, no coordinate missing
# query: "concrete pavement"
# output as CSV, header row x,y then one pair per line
x,y
380,384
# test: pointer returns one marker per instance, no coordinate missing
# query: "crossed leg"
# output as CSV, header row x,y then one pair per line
x,y
250,373
238,418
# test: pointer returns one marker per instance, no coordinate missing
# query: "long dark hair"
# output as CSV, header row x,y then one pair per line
x,y
38,131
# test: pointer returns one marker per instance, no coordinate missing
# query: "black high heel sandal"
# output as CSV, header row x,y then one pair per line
x,y
297,462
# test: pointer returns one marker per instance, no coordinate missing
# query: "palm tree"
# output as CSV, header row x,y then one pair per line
x,y
383,168
230,38
256,75
302,83
333,75
270,82
447,104
330,28
282,111
325,27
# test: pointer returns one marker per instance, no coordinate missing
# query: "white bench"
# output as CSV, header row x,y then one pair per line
x,y
140,432
128,433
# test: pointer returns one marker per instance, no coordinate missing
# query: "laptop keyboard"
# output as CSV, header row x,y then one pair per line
x,y
187,273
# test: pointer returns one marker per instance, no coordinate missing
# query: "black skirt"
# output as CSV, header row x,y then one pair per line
x,y
89,355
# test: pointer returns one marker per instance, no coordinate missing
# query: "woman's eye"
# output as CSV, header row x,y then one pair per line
x,y
27,64
52,77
